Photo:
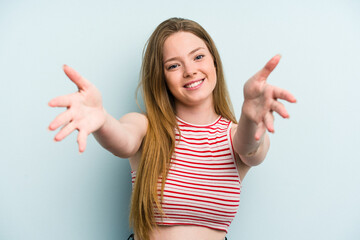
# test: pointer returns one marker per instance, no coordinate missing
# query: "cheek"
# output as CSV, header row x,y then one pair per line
x,y
170,82
212,71
173,78
213,77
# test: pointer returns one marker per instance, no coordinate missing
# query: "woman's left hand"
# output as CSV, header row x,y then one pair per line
x,y
261,99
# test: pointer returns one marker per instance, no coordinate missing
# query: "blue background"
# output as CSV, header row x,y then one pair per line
x,y
307,188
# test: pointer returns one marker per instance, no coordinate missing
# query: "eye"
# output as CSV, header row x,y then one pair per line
x,y
172,66
198,57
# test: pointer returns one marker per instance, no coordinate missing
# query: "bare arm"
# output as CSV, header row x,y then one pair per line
x,y
251,141
251,151
122,137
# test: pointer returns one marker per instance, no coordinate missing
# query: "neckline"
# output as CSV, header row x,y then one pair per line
x,y
199,125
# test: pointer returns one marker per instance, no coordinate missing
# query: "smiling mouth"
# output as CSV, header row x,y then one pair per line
x,y
194,84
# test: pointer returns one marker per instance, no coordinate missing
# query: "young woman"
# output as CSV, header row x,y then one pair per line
x,y
187,153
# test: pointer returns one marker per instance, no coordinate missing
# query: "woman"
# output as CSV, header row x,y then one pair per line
x,y
187,153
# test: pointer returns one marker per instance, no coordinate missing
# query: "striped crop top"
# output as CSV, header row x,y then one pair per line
x,y
203,185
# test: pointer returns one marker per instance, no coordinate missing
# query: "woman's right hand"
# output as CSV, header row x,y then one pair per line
x,y
84,113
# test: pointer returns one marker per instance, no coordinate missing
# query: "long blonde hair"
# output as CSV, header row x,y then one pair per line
x,y
159,142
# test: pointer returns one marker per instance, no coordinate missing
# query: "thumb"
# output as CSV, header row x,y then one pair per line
x,y
269,67
75,77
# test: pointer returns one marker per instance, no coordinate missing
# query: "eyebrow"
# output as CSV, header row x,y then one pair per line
x,y
193,51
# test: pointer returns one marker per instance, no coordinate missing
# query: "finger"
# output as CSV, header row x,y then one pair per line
x,y
269,67
61,119
82,136
261,129
280,109
269,122
65,131
283,94
63,127
62,101
74,76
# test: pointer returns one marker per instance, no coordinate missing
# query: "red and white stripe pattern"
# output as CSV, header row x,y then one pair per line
x,y
203,185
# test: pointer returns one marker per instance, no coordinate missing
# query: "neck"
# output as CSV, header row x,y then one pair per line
x,y
199,114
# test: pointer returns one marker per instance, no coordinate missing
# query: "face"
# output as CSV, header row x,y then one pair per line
x,y
189,69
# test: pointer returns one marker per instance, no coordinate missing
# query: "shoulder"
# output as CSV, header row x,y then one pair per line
x,y
136,121
233,129
230,124
134,116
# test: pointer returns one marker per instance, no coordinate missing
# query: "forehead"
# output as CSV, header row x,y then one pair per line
x,y
180,44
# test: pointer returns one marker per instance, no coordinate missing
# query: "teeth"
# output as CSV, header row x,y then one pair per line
x,y
194,84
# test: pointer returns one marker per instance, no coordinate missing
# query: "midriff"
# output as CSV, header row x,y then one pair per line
x,y
180,232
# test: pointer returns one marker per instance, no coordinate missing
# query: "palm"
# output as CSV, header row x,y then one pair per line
x,y
84,112
260,99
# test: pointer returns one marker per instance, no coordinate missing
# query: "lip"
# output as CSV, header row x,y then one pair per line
x,y
197,86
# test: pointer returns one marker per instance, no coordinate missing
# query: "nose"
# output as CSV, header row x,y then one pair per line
x,y
189,70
